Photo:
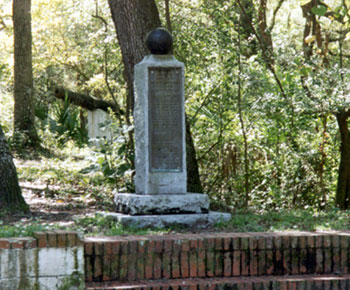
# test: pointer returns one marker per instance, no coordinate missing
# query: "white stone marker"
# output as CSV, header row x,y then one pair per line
x,y
160,148
160,157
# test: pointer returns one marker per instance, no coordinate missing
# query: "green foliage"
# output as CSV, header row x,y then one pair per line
x,y
66,124
113,157
296,220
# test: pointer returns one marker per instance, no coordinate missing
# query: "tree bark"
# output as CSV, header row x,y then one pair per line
x,y
133,20
86,102
343,187
23,74
10,193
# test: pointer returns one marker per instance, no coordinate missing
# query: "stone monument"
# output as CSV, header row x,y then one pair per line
x,y
161,197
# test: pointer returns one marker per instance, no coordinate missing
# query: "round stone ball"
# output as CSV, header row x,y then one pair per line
x,y
159,41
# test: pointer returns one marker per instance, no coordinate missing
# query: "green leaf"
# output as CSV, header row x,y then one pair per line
x,y
319,10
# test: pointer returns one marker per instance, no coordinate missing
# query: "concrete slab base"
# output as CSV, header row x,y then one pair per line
x,y
144,204
161,221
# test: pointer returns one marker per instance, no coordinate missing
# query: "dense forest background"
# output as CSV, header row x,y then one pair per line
x,y
267,93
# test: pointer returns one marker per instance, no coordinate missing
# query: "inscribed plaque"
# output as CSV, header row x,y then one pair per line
x,y
165,119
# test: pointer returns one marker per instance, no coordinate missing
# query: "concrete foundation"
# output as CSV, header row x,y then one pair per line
x,y
162,221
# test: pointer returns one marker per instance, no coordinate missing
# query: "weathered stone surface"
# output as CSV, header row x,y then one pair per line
x,y
156,177
138,204
96,121
161,221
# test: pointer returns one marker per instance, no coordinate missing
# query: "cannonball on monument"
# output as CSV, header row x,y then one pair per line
x,y
159,41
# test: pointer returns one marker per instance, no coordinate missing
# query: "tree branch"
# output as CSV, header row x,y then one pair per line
x,y
85,101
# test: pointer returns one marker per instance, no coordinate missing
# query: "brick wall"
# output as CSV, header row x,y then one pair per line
x,y
50,260
135,258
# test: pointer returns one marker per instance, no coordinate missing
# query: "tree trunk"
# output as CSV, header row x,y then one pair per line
x,y
343,187
10,192
23,74
133,20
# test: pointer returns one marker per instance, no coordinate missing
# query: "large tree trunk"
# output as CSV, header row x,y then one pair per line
x,y
23,73
10,192
133,19
343,187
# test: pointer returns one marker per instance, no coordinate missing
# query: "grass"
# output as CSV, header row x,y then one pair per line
x,y
58,185
300,220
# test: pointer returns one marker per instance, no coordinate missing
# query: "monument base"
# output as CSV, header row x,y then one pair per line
x,y
162,221
145,204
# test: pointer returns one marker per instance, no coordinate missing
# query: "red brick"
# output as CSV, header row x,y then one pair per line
x,y
319,241
292,285
219,263
245,263
201,259
286,262
166,265
227,244
16,243
116,247
89,246
328,261
107,248
98,248
61,239
336,260
123,266
244,243
31,243
236,263
157,266
335,241
327,241
42,239
303,261
253,265
4,243
168,245
193,263
106,275
97,275
193,244
175,264
88,269
219,243
278,263
72,239
140,262
185,245
253,243
344,241
269,262
184,265
227,264
344,268
302,242
294,243
295,255
115,269
236,243
319,261
286,242
277,242
158,246
310,240
210,261
149,259
52,239
132,259
262,262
